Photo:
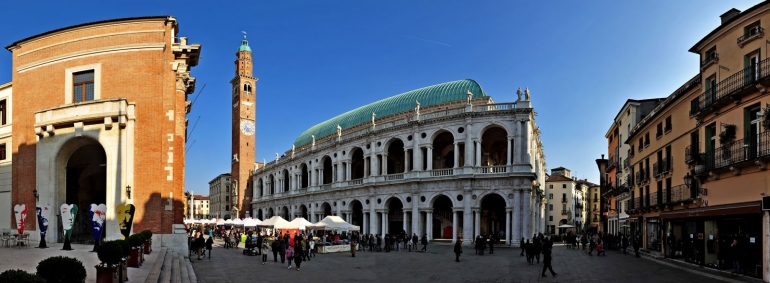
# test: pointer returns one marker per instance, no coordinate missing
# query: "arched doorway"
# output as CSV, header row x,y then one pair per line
x,y
492,214
303,212
494,147
304,175
285,213
395,216
271,184
327,173
86,183
260,216
442,218
357,164
285,180
269,213
396,157
443,151
357,213
261,188
326,208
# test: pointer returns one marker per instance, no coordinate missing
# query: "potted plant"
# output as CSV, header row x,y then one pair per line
x,y
110,254
62,269
148,241
20,276
135,241
126,252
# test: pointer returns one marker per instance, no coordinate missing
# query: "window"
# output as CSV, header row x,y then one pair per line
x,y
551,186
2,152
751,29
83,86
550,207
668,126
563,186
227,198
227,207
3,111
550,196
659,131
247,89
550,218
641,144
646,139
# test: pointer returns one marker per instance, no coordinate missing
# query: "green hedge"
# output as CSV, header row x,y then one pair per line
x,y
126,247
136,240
61,269
110,252
20,276
147,234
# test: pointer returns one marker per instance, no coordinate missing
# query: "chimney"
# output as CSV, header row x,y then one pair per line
x,y
729,15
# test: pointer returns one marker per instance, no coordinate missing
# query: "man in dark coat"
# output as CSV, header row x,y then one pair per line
x,y
530,250
458,249
521,244
424,242
537,246
492,243
259,244
547,262
735,251
636,245
624,243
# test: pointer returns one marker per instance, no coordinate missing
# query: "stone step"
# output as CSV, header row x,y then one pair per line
x,y
183,272
191,272
156,270
176,273
165,273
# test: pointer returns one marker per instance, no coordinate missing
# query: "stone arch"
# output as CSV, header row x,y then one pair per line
x,y
477,201
260,187
286,180
260,214
285,213
356,208
326,165
302,211
357,158
271,184
442,204
304,176
326,209
395,206
442,142
432,199
492,208
494,145
396,156
270,213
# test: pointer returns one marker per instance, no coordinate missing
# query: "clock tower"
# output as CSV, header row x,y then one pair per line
x,y
243,131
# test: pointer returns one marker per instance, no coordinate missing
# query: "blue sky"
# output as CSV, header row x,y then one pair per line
x,y
317,59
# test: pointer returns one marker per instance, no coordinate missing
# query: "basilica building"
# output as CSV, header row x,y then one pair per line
x,y
443,160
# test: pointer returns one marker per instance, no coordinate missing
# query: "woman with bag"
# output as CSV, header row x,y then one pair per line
x,y
265,250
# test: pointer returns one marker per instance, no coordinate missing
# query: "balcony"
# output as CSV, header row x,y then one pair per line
x,y
732,88
441,172
631,151
654,199
563,200
565,212
665,165
613,162
491,169
690,154
656,169
736,154
752,34
681,193
711,58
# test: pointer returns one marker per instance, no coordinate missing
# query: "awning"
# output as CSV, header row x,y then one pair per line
x,y
727,209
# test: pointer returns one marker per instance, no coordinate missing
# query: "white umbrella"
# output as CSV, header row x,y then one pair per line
x,y
277,222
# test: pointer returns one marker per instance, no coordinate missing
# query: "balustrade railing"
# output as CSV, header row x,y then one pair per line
x,y
495,107
492,169
441,172
680,193
442,113
355,182
392,177
654,201
741,80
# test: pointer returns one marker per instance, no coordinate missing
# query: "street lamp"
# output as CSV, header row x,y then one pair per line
x,y
689,181
128,191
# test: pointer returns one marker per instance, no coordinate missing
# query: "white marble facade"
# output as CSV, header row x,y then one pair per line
x,y
279,188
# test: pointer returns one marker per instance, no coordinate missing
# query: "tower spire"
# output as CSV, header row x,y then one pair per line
x,y
244,44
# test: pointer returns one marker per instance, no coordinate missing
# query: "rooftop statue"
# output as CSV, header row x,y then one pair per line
x,y
526,94
417,109
519,93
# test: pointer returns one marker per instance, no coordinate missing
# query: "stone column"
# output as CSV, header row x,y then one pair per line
x,y
456,155
508,157
372,218
417,155
365,223
468,146
526,137
291,213
386,223
404,223
430,157
508,211
373,161
478,153
515,228
429,224
348,169
320,176
467,214
384,164
476,222
406,160
336,172
415,215
366,167
349,217
312,214
454,226
526,227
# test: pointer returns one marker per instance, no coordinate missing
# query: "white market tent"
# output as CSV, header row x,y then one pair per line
x,y
251,222
237,221
220,221
300,223
566,226
333,223
277,222
229,222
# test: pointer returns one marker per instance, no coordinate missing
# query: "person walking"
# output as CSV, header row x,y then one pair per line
x,y
521,245
530,250
209,245
424,242
415,240
624,243
492,243
547,262
735,251
200,244
636,245
264,250
311,251
353,247
458,249
298,250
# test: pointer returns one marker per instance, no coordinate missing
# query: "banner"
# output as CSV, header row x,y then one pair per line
x,y
43,212
98,215
20,210
125,214
68,214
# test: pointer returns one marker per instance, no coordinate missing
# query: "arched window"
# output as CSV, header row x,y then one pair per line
x,y
247,89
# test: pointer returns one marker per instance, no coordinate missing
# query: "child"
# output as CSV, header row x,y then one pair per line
x,y
409,244
289,256
265,251
209,244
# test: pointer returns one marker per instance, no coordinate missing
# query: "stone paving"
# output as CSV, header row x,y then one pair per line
x,y
438,265
27,259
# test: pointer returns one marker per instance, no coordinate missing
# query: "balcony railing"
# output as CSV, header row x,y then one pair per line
x,y
495,107
638,203
613,162
690,154
631,151
711,58
656,169
733,87
441,172
355,182
392,177
752,34
665,165
654,199
564,212
492,169
563,200
665,196
736,153
680,193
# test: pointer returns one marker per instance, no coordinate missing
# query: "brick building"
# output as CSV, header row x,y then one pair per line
x,y
103,120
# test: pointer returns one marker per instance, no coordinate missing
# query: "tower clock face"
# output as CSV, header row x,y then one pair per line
x,y
247,127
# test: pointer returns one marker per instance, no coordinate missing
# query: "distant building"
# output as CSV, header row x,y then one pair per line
x,y
219,196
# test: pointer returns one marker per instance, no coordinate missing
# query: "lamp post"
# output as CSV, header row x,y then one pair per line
x,y
692,184
128,191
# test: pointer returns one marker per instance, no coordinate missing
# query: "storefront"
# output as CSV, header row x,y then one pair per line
x,y
704,235
652,234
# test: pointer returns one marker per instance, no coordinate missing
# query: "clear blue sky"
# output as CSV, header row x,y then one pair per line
x,y
317,59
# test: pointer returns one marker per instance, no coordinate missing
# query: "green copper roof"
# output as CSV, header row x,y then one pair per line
x,y
244,44
427,96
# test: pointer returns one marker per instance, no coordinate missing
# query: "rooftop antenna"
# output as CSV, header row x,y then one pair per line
x,y
193,129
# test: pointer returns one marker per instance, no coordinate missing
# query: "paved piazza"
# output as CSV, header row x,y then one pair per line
x,y
505,265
